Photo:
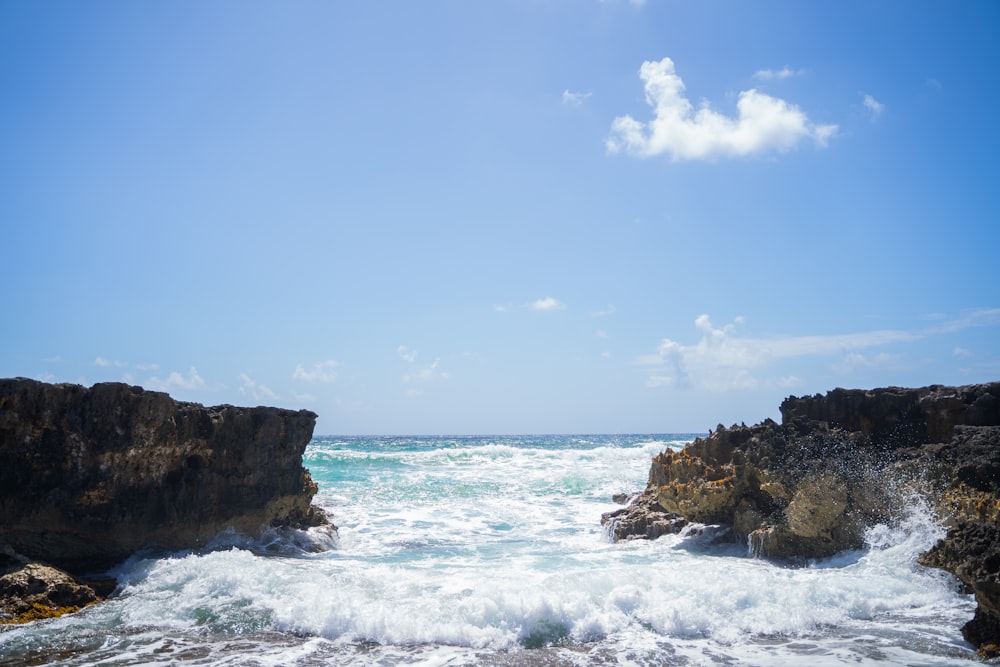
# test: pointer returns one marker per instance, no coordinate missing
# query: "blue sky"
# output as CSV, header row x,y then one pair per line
x,y
501,217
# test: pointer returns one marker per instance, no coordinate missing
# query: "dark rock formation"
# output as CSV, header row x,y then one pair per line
x,y
90,476
837,464
972,552
642,519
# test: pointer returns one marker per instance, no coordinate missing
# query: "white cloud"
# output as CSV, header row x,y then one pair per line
x,y
546,303
426,373
601,333
722,360
789,381
416,373
324,371
982,317
656,380
961,352
874,106
853,361
610,310
104,362
764,123
175,380
254,390
783,73
574,99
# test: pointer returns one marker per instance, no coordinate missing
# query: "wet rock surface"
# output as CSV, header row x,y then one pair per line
x,y
91,476
837,464
33,591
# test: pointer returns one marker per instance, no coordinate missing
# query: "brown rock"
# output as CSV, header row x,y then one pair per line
x,y
642,519
817,506
839,463
33,591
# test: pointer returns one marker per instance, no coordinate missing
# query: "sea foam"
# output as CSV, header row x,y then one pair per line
x,y
472,551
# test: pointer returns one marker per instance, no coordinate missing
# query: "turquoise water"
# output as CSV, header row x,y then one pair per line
x,y
489,550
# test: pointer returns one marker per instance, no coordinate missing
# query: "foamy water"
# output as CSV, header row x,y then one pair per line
x,y
490,551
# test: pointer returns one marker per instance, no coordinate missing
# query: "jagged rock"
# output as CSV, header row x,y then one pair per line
x,y
90,476
643,518
623,498
971,505
32,591
971,551
895,417
806,496
837,464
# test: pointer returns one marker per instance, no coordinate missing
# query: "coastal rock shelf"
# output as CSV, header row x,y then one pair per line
x,y
837,464
89,477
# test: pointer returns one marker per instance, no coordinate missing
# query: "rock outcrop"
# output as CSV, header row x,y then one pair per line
x,y
89,477
837,464
33,591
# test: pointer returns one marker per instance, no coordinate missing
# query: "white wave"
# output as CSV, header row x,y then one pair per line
x,y
456,553
528,597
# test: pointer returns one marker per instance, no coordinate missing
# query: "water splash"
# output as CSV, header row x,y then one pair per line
x,y
507,564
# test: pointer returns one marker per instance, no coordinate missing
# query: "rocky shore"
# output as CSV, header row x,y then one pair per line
x,y
91,476
837,464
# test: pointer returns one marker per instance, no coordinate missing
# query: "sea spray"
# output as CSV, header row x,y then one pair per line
x,y
464,551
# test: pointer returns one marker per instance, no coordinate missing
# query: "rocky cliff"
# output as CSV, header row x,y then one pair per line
x,y
90,476
838,463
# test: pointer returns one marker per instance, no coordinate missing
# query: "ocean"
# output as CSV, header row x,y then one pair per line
x,y
489,551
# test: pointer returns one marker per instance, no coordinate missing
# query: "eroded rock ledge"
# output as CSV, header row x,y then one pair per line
x,y
837,464
89,477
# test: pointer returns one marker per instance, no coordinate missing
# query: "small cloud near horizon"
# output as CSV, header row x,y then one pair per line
x,y
189,382
417,373
545,304
106,363
321,372
724,360
255,390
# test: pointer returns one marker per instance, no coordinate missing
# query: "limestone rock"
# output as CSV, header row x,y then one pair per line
x,y
837,464
90,476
